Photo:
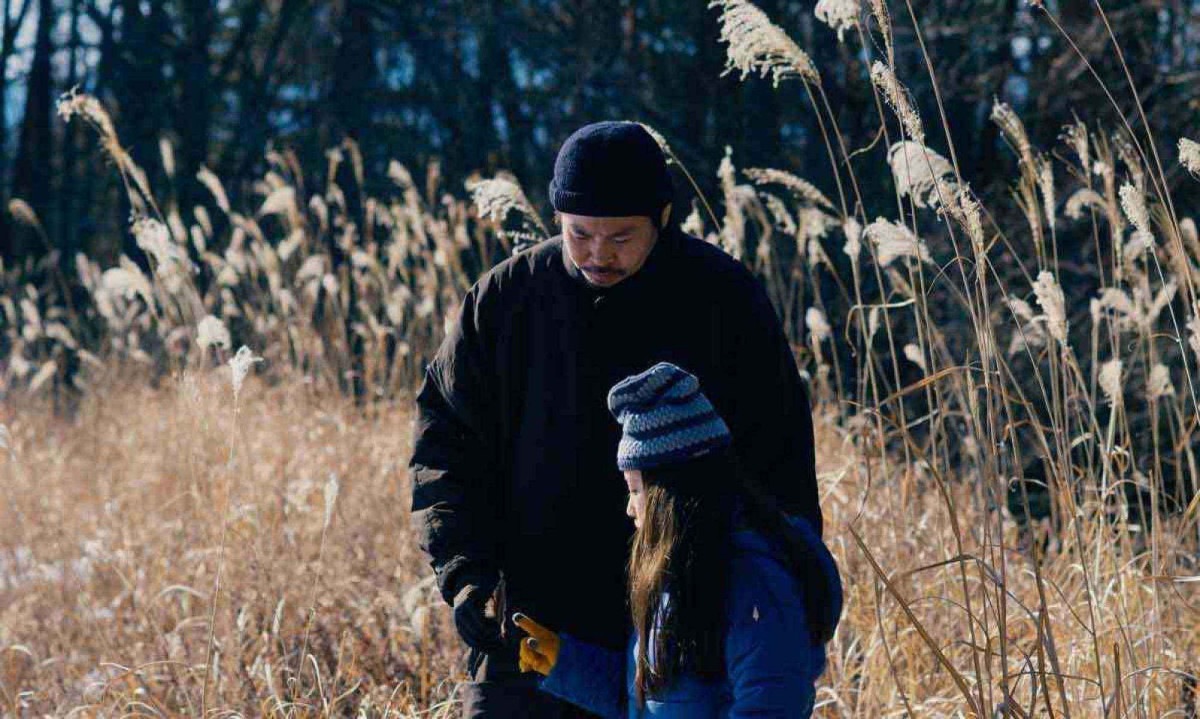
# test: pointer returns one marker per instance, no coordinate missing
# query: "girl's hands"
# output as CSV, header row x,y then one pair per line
x,y
539,651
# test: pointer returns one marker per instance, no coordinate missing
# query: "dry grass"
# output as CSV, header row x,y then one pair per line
x,y
112,533
919,565
110,541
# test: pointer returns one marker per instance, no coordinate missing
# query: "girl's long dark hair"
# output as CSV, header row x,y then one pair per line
x,y
684,547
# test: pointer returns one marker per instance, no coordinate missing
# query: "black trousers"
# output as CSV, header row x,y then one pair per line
x,y
501,691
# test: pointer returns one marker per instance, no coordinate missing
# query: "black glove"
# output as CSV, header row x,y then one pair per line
x,y
471,619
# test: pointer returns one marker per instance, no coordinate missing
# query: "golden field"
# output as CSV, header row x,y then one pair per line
x,y
116,524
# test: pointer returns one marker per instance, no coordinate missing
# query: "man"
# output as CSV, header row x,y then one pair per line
x,y
515,489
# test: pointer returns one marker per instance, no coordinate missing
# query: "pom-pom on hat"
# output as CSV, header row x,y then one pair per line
x,y
611,169
665,418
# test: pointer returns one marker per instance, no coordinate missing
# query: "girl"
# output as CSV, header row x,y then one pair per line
x,y
732,601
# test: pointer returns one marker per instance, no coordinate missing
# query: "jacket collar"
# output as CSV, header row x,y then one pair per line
x,y
659,258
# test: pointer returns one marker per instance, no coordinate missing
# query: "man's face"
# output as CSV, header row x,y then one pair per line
x,y
608,250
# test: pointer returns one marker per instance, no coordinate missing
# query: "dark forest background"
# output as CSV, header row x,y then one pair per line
x,y
485,85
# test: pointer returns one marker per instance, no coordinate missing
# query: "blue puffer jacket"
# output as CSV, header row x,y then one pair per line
x,y
771,662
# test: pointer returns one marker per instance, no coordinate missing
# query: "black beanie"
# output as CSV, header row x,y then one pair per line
x,y
611,169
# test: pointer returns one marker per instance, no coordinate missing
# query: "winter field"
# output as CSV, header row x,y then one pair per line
x,y
203,450
277,528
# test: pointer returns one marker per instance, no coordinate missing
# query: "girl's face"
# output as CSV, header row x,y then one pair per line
x,y
637,497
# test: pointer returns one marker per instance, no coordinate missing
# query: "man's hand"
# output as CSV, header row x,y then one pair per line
x,y
471,619
539,651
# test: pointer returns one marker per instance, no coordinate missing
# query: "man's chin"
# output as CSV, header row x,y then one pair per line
x,y
601,280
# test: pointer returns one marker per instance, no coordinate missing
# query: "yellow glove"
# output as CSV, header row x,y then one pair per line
x,y
539,651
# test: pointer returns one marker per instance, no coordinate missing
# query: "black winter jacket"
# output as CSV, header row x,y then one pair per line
x,y
514,462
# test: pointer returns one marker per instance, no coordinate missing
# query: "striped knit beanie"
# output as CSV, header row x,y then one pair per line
x,y
665,418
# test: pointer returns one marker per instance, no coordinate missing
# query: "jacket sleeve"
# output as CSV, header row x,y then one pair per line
x,y
590,677
772,663
452,467
771,420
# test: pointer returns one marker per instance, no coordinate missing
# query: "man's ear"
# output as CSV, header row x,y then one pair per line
x,y
666,215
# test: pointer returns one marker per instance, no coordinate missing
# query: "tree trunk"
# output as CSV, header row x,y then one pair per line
x,y
33,169
70,210
355,74
254,96
194,119
7,42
